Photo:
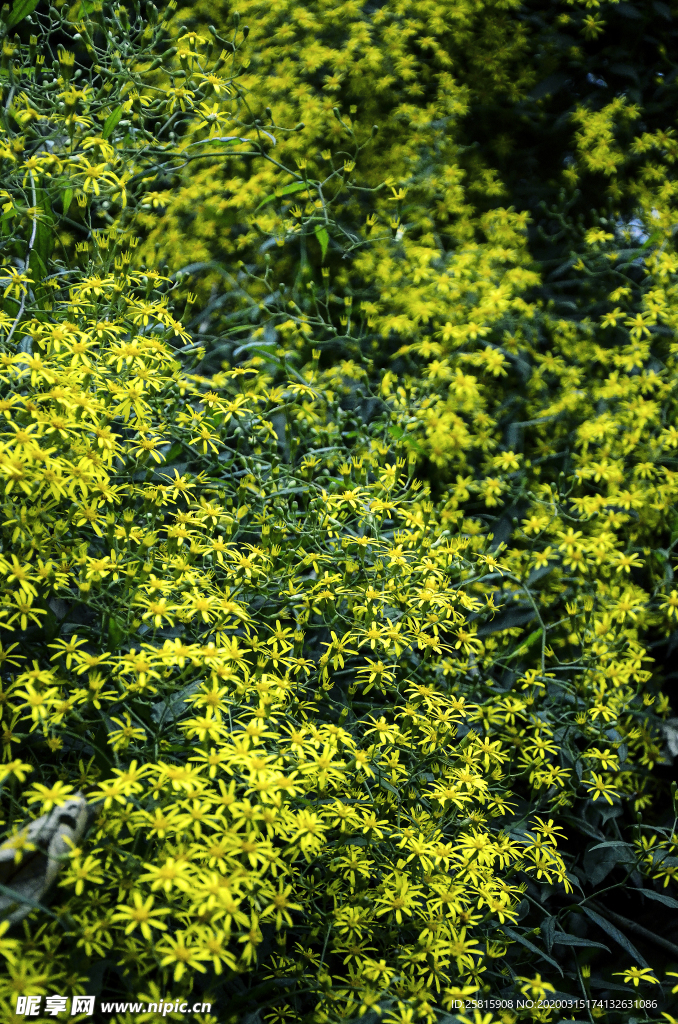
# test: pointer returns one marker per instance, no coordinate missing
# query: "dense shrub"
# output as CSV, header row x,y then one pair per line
x,y
337,539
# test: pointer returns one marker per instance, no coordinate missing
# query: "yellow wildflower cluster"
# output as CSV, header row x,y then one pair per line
x,y
275,781
332,550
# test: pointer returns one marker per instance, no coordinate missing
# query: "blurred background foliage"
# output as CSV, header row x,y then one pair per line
x,y
438,241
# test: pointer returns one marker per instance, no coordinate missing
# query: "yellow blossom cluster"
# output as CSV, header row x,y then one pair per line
x,y
333,549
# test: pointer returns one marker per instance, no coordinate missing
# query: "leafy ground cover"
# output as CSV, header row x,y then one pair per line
x,y
338,492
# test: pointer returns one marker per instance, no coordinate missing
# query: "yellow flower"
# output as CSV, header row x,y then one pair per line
x,y
16,768
9,948
49,796
635,975
670,605
280,907
141,915
599,787
120,738
81,871
168,875
535,988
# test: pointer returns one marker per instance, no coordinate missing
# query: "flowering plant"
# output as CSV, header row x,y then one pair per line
x,y
328,571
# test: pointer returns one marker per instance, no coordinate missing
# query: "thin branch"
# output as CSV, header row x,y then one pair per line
x,y
25,344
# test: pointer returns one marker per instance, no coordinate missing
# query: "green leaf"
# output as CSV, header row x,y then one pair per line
x,y
17,897
629,11
532,639
111,121
67,200
583,826
518,616
20,10
116,631
615,934
99,747
611,843
174,706
398,433
43,244
323,237
389,787
414,446
660,897
564,939
549,86
602,858
174,452
535,949
296,186
44,234
37,268
548,929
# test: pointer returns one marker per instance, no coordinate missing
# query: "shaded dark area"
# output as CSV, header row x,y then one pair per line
x,y
629,51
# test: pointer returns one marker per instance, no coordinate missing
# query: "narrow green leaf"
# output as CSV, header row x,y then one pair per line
x,y
615,934
583,826
532,639
111,121
612,843
398,433
414,445
323,237
388,786
37,266
654,237
535,949
296,186
174,706
67,200
660,897
548,929
564,939
18,897
116,631
43,245
20,10
44,234
174,452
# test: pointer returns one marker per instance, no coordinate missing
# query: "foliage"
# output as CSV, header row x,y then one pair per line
x,y
335,536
